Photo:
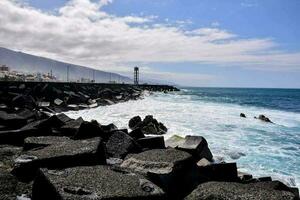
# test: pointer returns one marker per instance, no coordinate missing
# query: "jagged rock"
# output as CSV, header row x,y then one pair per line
x,y
230,190
173,170
10,188
120,144
150,129
55,121
59,154
7,155
243,115
71,127
12,120
103,183
137,134
109,127
195,145
156,142
245,177
219,172
44,141
264,118
90,130
133,122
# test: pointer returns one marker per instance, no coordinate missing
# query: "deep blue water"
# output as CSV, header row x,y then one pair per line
x,y
279,99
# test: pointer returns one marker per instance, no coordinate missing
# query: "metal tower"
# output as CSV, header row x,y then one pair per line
x,y
136,76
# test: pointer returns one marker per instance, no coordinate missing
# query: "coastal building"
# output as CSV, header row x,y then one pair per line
x,y
4,68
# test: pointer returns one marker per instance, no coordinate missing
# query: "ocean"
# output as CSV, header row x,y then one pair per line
x,y
259,148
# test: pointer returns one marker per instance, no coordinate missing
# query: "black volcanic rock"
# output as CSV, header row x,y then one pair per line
x,y
120,144
229,190
155,142
97,182
133,122
243,115
219,172
55,121
173,170
264,118
59,153
71,127
89,130
137,134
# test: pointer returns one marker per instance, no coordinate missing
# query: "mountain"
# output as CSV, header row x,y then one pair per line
x,y
27,63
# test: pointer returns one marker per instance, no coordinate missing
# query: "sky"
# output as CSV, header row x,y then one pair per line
x,y
208,43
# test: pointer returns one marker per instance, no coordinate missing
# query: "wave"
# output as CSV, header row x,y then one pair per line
x,y
266,149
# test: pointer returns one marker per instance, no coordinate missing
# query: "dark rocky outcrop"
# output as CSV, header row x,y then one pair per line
x,y
55,97
264,119
218,172
155,142
133,122
173,170
98,182
149,125
54,153
90,130
120,144
230,190
243,115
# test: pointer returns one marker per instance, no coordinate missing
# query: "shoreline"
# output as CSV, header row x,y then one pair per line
x,y
180,162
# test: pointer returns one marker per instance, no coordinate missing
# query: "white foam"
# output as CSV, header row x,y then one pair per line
x,y
269,149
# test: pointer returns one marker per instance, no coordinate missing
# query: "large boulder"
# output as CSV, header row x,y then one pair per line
x,y
12,120
137,134
97,182
58,153
90,130
11,188
154,142
120,144
230,190
173,170
55,121
218,172
264,118
133,122
195,145
71,127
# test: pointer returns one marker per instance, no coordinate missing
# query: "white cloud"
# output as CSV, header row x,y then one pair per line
x,y
81,33
215,24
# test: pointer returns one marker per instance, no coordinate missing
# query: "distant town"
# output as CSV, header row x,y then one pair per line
x,y
6,74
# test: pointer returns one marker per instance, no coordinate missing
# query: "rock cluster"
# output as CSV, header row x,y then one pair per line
x,y
56,157
147,126
57,97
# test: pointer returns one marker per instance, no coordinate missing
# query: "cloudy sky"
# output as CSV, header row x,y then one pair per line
x,y
232,43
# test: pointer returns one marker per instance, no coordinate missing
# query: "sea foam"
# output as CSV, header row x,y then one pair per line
x,y
259,148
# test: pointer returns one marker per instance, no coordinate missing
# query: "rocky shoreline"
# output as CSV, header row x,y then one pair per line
x,y
47,155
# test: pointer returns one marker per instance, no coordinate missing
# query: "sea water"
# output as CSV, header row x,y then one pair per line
x,y
259,148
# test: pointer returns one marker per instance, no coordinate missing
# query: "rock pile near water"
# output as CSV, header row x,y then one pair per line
x,y
56,97
56,157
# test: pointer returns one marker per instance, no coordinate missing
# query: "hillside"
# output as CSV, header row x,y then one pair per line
x,y
23,62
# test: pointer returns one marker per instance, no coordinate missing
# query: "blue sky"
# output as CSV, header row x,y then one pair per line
x,y
262,38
